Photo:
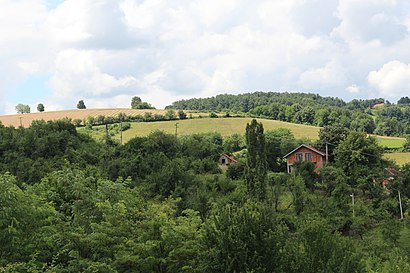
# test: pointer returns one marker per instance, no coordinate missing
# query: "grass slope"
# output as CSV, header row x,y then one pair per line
x,y
224,126
400,158
390,142
229,126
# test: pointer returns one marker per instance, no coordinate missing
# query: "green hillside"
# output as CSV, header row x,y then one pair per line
x,y
400,158
224,126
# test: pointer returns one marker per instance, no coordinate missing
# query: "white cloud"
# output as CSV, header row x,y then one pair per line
x,y
368,20
77,74
354,89
392,80
106,51
332,75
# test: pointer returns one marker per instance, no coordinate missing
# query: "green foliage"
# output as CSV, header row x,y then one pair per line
x,y
322,251
404,100
311,109
332,136
213,115
182,114
40,107
406,146
22,108
81,105
306,170
256,164
137,103
242,239
360,157
77,122
279,142
162,204
170,114
236,171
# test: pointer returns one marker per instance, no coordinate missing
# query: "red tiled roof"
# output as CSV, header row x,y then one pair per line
x,y
230,158
308,147
378,105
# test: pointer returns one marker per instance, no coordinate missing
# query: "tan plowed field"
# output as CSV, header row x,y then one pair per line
x,y
27,119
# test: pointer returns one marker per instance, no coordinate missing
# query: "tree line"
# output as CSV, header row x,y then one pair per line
x,y
312,109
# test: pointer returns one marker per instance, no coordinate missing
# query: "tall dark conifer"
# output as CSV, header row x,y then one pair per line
x,y
256,164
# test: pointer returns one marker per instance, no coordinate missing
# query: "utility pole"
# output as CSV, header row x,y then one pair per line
x,y
327,153
176,129
352,195
106,134
401,208
121,132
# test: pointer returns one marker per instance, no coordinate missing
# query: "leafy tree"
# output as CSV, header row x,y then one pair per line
x,y
77,122
233,143
137,103
320,250
26,223
331,135
256,164
306,170
406,146
40,107
279,142
22,108
170,114
363,123
81,105
181,114
242,239
360,157
404,100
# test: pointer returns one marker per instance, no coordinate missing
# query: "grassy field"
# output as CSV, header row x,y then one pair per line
x,y
224,126
229,126
400,158
391,142
27,119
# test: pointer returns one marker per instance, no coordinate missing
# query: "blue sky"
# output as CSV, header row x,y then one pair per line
x,y
52,4
106,51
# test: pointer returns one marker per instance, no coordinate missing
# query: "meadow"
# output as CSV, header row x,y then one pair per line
x,y
224,126
400,158
229,126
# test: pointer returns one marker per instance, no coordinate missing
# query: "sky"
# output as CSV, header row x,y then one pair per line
x,y
105,52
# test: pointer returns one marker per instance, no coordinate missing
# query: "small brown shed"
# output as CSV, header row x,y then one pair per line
x,y
227,160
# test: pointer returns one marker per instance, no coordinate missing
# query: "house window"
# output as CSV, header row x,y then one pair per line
x,y
308,157
299,157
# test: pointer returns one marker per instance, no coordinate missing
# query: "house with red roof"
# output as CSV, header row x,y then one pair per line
x,y
305,153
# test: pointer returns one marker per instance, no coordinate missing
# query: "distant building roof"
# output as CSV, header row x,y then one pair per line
x,y
308,147
378,105
230,158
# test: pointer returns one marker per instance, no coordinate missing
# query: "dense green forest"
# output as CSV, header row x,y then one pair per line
x,y
163,204
312,109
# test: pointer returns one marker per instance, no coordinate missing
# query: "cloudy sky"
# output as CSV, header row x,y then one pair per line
x,y
106,51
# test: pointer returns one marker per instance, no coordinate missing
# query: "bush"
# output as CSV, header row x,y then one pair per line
x,y
235,171
213,115
77,122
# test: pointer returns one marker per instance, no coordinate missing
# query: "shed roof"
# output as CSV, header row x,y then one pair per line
x,y
308,147
230,158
